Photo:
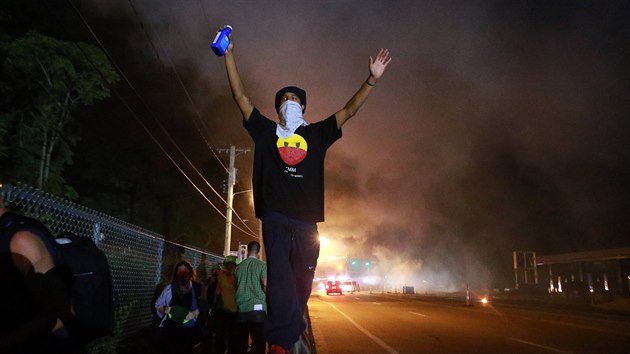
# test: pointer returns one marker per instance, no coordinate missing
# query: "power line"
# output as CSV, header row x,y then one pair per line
x,y
198,114
190,100
119,70
172,65
170,158
124,102
184,41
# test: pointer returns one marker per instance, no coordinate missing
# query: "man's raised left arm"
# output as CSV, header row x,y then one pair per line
x,y
377,68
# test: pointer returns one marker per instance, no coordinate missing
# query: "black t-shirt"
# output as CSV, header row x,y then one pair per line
x,y
288,173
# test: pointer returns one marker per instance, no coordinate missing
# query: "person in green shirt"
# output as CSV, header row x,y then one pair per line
x,y
251,279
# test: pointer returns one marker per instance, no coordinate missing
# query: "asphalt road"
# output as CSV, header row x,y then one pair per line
x,y
396,323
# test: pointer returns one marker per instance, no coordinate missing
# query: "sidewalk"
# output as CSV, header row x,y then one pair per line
x,y
305,345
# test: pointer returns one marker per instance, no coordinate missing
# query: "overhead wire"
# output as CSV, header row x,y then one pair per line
x,y
146,32
192,103
206,13
145,128
160,125
145,105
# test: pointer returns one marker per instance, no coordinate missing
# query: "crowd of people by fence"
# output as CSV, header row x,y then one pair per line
x,y
62,297
224,313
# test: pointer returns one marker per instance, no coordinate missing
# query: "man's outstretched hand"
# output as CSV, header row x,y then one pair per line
x,y
230,47
378,65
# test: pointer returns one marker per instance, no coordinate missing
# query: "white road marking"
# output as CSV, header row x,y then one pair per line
x,y
366,332
418,314
540,346
376,303
356,298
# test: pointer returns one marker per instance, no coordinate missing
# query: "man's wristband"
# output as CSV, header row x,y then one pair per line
x,y
369,84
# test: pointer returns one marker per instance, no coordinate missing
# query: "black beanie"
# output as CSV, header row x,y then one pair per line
x,y
296,90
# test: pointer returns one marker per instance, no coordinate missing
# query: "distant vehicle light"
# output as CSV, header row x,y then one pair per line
x,y
484,300
350,286
333,287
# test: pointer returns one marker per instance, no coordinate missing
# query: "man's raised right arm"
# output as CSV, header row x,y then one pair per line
x,y
236,85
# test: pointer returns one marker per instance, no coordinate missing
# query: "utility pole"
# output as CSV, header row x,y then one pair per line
x,y
230,196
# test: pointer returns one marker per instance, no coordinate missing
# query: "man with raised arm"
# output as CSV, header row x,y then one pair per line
x,y
288,182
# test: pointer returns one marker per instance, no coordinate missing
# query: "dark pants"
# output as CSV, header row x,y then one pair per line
x,y
46,344
292,248
225,332
251,324
176,339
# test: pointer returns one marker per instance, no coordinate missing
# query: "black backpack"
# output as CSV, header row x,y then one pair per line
x,y
86,273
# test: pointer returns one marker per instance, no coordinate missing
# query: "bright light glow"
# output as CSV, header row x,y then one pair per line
x,y
330,258
371,280
484,300
324,241
321,286
344,277
333,255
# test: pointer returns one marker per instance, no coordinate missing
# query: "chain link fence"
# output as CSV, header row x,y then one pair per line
x,y
137,257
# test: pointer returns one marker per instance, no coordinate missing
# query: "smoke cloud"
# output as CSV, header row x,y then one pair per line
x,y
497,127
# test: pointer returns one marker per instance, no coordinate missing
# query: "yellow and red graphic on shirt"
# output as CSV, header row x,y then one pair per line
x,y
292,149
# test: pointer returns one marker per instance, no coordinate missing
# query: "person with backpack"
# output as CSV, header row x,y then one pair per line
x,y
178,309
35,301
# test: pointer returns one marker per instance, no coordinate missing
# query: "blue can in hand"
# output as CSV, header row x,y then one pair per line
x,y
221,41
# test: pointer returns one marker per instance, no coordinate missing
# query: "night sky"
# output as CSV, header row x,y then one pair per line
x,y
498,125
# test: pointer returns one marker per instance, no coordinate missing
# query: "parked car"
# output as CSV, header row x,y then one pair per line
x,y
350,286
333,287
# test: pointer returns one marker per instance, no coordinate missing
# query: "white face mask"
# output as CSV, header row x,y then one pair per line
x,y
291,114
